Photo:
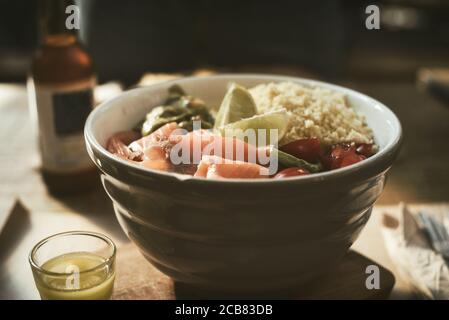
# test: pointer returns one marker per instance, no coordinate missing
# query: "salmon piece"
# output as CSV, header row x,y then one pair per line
x,y
203,167
154,148
213,167
192,143
157,137
118,145
232,149
156,158
201,143
217,156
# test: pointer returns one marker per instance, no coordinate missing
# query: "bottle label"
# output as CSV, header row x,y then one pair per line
x,y
61,113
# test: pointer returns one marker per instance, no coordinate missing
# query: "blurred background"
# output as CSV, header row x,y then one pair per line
x,y
403,64
327,38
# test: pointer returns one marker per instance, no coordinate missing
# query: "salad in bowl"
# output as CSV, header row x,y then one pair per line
x,y
272,131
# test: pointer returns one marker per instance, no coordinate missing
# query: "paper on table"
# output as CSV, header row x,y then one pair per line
x,y
410,249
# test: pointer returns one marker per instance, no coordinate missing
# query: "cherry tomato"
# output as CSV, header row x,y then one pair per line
x,y
343,155
365,149
351,158
291,172
337,153
306,149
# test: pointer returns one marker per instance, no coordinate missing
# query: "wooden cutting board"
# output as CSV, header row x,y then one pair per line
x,y
137,279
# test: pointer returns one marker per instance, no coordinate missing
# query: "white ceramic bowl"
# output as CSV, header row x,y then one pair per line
x,y
240,235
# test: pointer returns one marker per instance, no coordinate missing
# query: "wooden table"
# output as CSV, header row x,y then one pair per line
x,y
419,175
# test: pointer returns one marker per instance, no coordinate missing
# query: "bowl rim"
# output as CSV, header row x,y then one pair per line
x,y
389,149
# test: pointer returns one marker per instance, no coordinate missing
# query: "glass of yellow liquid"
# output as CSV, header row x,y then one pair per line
x,y
75,265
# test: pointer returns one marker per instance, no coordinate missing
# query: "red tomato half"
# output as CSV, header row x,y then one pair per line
x,y
306,149
291,172
365,149
343,155
351,158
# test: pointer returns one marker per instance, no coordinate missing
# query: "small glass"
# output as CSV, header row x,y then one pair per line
x,y
75,265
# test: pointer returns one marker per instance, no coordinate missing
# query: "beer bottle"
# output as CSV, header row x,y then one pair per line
x,y
60,90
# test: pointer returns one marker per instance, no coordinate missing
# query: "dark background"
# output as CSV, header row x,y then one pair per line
x,y
325,38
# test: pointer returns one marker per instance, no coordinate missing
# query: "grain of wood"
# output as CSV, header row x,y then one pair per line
x,y
137,279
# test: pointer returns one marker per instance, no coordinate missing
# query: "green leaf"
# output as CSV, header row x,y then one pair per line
x,y
288,161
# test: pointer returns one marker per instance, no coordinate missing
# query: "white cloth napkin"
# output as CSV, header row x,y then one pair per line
x,y
413,254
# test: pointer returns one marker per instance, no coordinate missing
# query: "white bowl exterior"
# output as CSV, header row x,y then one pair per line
x,y
190,229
